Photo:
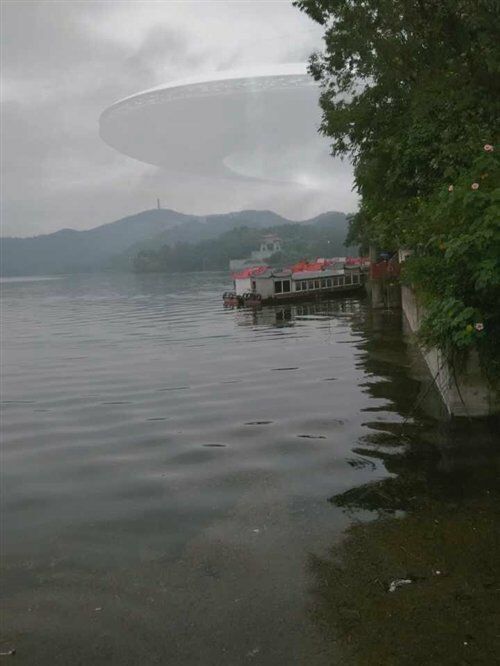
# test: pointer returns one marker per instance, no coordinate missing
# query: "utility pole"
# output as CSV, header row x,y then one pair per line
x,y
158,204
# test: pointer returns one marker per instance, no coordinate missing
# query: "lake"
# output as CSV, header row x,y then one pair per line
x,y
179,477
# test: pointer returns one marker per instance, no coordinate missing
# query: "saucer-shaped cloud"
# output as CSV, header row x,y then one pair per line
x,y
259,123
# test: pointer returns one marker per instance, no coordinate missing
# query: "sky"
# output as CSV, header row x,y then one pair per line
x,y
64,62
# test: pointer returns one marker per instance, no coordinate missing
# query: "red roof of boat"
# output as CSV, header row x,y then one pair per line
x,y
303,266
250,272
300,267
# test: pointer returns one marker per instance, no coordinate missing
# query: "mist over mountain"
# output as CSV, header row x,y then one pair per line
x,y
115,245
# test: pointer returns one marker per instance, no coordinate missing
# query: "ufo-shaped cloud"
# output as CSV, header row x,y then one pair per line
x,y
256,123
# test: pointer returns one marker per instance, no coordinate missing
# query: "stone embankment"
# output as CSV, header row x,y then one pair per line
x,y
465,392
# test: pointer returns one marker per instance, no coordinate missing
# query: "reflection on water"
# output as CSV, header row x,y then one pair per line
x,y
447,611
287,315
437,529
172,468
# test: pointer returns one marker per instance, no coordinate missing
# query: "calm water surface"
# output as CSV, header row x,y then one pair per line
x,y
170,467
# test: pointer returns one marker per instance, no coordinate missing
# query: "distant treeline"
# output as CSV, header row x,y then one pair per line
x,y
299,242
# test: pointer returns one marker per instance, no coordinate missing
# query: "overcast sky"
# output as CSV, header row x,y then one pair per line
x,y
64,62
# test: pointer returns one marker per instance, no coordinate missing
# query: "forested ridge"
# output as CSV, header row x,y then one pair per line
x,y
299,242
114,246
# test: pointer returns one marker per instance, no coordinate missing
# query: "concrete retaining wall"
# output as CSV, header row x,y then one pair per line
x,y
465,393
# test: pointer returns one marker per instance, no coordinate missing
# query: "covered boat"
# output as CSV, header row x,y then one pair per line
x,y
319,278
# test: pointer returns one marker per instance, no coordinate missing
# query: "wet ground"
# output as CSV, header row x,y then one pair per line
x,y
184,484
420,584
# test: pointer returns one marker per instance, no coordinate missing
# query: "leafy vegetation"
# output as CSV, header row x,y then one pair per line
x,y
299,241
410,93
457,264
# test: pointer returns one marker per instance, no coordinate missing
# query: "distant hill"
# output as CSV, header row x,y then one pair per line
x,y
322,236
114,245
69,251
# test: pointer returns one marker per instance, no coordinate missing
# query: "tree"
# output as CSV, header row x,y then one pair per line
x,y
410,92
300,241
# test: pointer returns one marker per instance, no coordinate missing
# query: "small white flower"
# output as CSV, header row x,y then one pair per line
x,y
488,147
475,186
479,326
450,188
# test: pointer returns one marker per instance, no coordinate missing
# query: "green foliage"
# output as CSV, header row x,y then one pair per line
x,y
456,266
410,91
211,254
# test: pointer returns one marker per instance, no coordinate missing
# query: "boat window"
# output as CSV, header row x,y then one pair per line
x,y
310,284
278,287
304,285
298,286
336,281
316,284
286,285
329,282
355,278
323,283
348,279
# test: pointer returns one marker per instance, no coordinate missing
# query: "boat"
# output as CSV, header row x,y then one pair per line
x,y
231,299
252,299
304,280
248,298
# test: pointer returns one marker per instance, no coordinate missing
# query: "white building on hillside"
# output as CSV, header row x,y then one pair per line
x,y
269,245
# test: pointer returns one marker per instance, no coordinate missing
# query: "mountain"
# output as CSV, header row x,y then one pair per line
x,y
320,237
71,251
114,245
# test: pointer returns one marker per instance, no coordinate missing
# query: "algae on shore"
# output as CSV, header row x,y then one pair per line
x,y
438,525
